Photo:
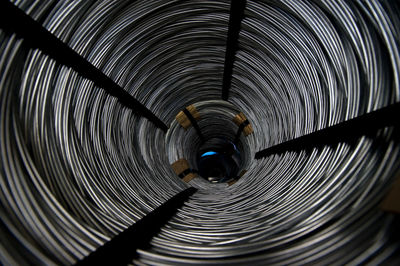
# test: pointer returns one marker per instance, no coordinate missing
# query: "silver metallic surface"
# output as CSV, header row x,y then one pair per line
x,y
77,167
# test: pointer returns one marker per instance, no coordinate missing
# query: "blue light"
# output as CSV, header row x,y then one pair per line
x,y
209,153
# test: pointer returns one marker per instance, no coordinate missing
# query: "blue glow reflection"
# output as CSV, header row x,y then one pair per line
x,y
209,153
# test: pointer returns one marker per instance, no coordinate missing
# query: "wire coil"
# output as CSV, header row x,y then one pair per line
x,y
77,167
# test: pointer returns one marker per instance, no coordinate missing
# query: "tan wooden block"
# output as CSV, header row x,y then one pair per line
x,y
180,166
183,120
247,130
193,111
239,119
189,177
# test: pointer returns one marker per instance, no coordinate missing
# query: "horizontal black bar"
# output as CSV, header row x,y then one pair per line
x,y
14,20
345,131
235,19
121,249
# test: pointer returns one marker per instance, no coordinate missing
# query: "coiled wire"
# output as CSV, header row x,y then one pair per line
x,y
301,66
77,167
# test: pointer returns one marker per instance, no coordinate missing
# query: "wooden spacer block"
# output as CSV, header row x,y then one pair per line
x,y
239,119
181,166
189,177
183,120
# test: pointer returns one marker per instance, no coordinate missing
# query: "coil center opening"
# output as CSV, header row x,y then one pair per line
x,y
218,160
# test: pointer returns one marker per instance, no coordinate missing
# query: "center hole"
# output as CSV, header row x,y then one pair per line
x,y
218,160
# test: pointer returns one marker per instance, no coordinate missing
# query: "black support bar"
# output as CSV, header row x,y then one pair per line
x,y
121,249
194,123
14,20
235,19
363,125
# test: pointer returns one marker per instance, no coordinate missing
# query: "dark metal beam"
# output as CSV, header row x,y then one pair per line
x,y
14,20
366,124
194,124
121,249
235,19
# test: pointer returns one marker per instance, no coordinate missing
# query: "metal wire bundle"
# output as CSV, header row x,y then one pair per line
x,y
301,66
77,167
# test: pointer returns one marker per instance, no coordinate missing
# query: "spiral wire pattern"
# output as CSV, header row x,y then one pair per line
x,y
77,167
